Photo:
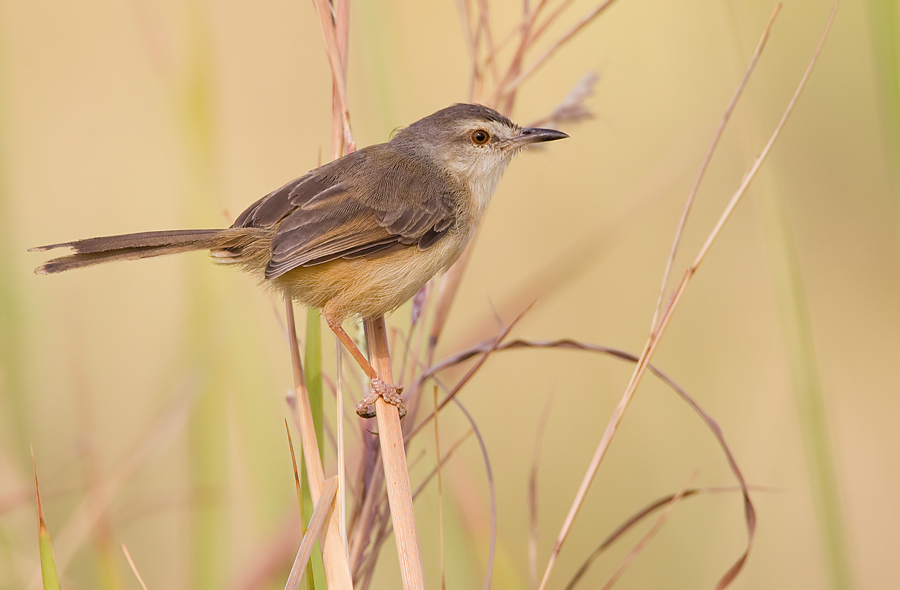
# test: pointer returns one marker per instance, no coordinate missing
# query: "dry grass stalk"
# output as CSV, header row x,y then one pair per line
x,y
299,487
337,62
334,556
650,534
689,202
393,452
440,490
510,87
370,521
497,342
569,344
656,336
133,567
335,28
483,53
324,507
639,516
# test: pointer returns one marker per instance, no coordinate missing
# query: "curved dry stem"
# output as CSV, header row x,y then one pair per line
x,y
633,521
566,343
655,338
650,534
462,382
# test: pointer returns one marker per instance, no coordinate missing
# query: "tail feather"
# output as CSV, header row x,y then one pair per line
x,y
93,251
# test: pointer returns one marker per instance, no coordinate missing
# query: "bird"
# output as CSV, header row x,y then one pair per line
x,y
359,236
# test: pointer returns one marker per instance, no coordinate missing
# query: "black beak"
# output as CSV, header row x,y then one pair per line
x,y
535,135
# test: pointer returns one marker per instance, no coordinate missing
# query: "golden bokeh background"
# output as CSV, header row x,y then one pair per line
x,y
120,116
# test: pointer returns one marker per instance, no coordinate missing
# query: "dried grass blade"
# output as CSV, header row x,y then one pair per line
x,y
572,108
296,474
708,158
334,555
655,338
468,376
650,534
566,343
412,402
448,285
366,519
549,21
441,463
427,479
342,33
310,581
624,528
393,454
464,7
567,36
134,568
316,528
484,19
332,49
440,491
515,63
751,174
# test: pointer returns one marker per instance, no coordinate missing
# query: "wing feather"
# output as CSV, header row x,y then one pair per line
x,y
336,211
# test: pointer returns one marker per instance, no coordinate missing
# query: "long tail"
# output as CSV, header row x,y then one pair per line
x,y
143,245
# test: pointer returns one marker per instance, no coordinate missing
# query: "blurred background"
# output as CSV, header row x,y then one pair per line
x,y
153,392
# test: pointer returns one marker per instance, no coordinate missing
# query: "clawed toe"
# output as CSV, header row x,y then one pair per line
x,y
390,393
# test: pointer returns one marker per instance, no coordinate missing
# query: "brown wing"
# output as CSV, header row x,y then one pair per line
x,y
339,211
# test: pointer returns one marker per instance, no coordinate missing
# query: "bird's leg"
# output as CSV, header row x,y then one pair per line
x,y
390,393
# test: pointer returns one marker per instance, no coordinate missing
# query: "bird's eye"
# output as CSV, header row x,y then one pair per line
x,y
481,136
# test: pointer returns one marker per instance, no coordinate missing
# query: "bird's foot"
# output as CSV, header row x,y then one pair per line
x,y
386,391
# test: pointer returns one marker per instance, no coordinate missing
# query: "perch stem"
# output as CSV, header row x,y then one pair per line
x,y
396,477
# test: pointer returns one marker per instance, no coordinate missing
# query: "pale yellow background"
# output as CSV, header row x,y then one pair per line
x,y
99,109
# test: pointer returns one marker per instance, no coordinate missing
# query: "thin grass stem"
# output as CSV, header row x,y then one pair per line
x,y
706,161
656,336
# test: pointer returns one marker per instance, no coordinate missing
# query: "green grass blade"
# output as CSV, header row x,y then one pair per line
x,y
809,398
12,360
313,366
313,373
48,566
884,16
205,342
